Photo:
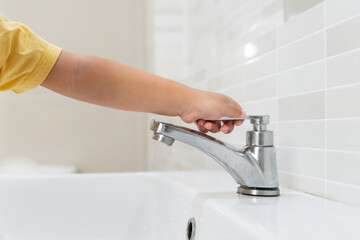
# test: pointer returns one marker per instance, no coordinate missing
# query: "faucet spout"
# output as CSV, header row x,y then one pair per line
x,y
247,166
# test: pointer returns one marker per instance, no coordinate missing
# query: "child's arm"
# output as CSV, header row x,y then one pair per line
x,y
112,84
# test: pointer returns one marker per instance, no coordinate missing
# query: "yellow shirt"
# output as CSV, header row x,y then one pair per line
x,y
25,58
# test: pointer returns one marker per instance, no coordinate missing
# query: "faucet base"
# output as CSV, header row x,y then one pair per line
x,y
264,192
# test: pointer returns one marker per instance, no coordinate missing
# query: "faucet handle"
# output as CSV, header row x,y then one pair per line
x,y
259,121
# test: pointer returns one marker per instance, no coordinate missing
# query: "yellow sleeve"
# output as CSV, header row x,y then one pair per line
x,y
25,58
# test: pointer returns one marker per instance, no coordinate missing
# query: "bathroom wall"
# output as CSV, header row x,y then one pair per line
x,y
293,8
303,72
51,128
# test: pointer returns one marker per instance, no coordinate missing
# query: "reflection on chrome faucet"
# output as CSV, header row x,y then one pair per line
x,y
253,168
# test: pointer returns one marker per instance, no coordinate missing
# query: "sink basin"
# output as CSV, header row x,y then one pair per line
x,y
91,206
158,206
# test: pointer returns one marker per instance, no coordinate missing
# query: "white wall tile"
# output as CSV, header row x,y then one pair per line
x,y
343,69
307,162
262,89
307,134
261,66
301,52
343,37
258,45
343,167
338,10
307,78
302,183
302,107
265,107
216,84
343,102
237,93
234,77
345,193
309,22
343,134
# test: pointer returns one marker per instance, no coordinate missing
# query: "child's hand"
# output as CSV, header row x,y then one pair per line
x,y
212,106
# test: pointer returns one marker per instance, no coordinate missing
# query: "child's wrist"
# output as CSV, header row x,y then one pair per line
x,y
189,108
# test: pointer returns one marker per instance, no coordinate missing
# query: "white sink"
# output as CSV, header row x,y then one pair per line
x,y
157,206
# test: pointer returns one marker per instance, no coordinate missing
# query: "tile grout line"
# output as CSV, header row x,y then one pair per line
x,y
318,119
318,149
325,106
250,81
234,67
320,60
342,86
322,89
287,95
260,100
301,38
277,86
301,175
302,148
343,183
319,179
301,93
300,66
342,151
343,53
341,21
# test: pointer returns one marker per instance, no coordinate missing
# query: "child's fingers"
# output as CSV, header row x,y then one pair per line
x,y
227,127
200,125
238,122
213,126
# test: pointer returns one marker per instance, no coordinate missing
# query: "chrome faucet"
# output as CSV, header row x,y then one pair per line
x,y
253,167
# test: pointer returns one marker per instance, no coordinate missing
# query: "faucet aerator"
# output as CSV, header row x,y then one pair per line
x,y
164,139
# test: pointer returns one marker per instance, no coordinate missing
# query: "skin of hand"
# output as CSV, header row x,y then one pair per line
x,y
108,83
212,107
